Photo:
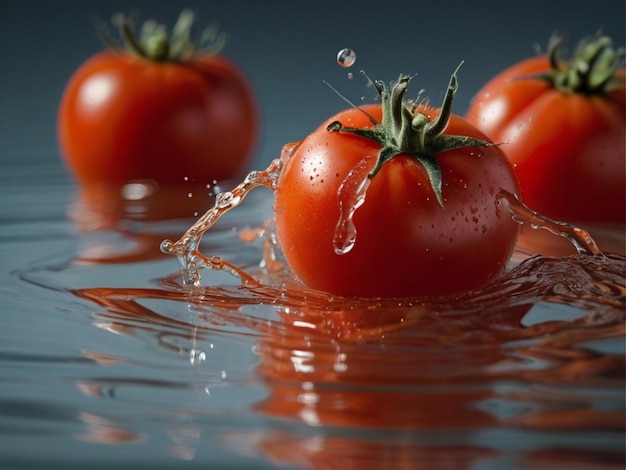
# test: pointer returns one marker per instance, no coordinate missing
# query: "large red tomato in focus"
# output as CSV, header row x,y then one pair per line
x,y
564,132
407,244
124,117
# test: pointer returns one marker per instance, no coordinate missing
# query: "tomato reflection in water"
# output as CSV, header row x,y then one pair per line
x,y
358,369
410,367
130,210
404,368
423,368
104,431
390,370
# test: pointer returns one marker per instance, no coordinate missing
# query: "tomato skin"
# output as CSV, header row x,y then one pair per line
x,y
406,244
568,149
125,118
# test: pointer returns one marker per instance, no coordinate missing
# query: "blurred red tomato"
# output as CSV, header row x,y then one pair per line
x,y
562,127
153,110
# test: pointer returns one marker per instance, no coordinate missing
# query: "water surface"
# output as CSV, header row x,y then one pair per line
x,y
106,358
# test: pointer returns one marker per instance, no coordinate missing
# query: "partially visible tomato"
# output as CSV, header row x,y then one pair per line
x,y
562,127
158,112
431,223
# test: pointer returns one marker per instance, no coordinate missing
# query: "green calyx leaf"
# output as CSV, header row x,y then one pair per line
x,y
405,130
591,69
154,42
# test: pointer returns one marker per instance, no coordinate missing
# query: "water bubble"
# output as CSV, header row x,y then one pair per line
x,y
196,356
167,246
346,57
350,76
226,200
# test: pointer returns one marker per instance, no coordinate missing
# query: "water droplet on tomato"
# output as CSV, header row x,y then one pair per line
x,y
346,57
288,150
350,196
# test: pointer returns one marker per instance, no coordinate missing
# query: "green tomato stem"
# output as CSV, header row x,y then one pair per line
x,y
156,44
404,130
591,69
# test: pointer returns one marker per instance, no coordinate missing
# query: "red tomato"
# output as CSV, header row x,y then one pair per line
x,y
407,244
562,131
124,117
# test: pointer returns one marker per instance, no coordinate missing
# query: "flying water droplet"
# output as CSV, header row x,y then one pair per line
x,y
346,57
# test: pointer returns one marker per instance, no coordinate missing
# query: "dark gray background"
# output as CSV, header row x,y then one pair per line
x,y
287,49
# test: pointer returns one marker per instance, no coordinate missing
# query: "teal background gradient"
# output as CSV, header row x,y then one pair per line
x,y
288,48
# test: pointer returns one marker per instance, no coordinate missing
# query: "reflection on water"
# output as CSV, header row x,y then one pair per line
x,y
527,362
103,431
527,373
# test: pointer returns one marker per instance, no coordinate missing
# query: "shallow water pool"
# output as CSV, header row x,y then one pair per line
x,y
106,358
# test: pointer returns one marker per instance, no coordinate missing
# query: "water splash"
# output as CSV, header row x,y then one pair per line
x,y
346,57
582,241
186,249
350,197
